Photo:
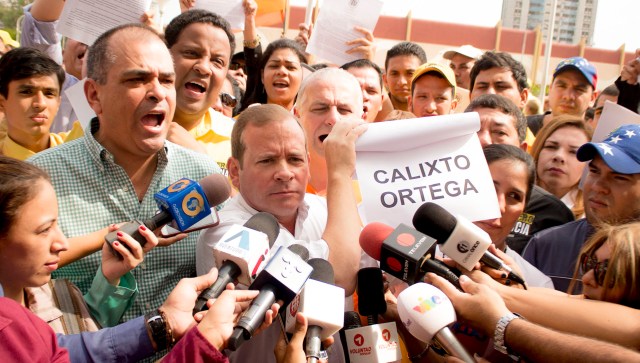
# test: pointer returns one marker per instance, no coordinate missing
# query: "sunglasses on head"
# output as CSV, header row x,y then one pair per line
x,y
234,66
599,268
228,100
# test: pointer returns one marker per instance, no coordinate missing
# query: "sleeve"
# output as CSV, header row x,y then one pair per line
x,y
127,342
252,60
107,303
629,95
41,35
194,347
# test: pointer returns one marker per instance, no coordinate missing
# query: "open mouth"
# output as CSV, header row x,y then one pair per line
x,y
280,84
153,119
322,137
195,87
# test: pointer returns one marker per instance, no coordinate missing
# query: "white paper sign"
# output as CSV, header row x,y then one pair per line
x,y
335,26
375,343
78,101
85,20
612,117
231,10
403,164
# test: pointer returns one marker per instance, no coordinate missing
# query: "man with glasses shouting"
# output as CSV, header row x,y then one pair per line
x,y
611,195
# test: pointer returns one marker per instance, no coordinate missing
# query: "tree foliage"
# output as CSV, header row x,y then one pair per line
x,y
10,11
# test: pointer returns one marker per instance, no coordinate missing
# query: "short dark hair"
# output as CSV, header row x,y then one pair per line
x,y
259,95
611,90
182,21
504,105
406,48
259,115
21,63
498,152
493,59
364,63
101,55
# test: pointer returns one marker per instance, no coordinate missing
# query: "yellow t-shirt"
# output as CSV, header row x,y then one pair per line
x,y
12,149
214,133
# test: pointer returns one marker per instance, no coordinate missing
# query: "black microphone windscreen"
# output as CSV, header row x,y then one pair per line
x,y
434,221
265,223
322,271
370,289
216,187
351,320
300,250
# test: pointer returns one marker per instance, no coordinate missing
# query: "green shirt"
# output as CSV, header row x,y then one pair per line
x,y
93,192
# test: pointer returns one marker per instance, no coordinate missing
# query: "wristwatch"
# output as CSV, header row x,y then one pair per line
x,y
157,325
499,343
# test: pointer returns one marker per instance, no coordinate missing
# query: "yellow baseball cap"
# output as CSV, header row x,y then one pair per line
x,y
445,71
7,40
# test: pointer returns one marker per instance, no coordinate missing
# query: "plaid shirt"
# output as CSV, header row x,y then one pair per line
x,y
93,192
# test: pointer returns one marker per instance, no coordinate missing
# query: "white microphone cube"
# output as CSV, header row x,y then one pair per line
x,y
322,304
247,248
467,243
425,310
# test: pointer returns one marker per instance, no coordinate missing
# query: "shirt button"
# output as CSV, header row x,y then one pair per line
x,y
143,265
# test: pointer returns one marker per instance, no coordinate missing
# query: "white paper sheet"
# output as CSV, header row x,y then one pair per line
x,y
85,20
403,164
79,103
335,26
231,10
612,117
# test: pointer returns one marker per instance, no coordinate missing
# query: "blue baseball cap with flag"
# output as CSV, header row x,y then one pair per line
x,y
620,150
582,65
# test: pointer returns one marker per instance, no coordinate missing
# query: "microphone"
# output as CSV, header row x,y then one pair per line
x,y
281,279
351,321
240,253
426,311
187,203
460,239
322,303
404,253
370,288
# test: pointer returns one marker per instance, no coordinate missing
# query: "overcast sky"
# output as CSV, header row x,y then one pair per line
x,y
616,22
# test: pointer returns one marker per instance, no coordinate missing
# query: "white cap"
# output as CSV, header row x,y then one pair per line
x,y
466,50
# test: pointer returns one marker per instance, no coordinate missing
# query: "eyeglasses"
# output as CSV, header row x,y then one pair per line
x,y
234,66
599,268
228,100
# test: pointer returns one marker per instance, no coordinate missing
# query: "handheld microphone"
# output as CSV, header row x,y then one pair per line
x,y
187,203
426,311
240,253
404,253
322,303
460,239
351,321
281,279
370,288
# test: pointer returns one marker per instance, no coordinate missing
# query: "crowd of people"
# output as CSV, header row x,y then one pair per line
x,y
176,102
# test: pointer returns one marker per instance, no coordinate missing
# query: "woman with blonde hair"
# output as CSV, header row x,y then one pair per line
x,y
610,265
557,167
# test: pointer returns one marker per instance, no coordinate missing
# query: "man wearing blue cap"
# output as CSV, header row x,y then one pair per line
x,y
611,195
571,92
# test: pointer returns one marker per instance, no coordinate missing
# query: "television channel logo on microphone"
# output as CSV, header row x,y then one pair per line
x,y
404,251
186,202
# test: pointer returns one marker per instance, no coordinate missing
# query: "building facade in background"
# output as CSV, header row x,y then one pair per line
x,y
574,20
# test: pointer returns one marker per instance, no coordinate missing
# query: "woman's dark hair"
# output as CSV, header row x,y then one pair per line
x,y
258,94
497,152
18,185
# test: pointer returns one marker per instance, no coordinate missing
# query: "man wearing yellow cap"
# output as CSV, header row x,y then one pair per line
x,y
433,90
